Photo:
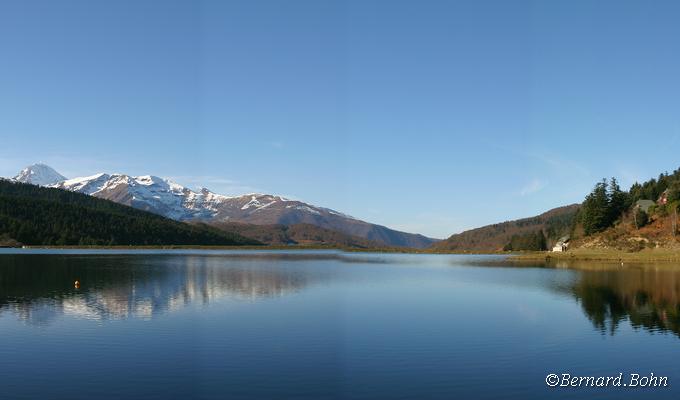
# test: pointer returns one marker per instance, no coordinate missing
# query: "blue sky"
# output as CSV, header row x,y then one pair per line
x,y
430,117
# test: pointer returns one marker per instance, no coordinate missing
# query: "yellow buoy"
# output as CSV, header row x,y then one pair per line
x,y
76,284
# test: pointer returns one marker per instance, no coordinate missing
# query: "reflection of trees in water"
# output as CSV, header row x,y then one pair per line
x,y
649,298
39,288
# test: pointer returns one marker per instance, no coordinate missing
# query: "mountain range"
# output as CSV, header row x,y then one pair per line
x,y
171,200
37,215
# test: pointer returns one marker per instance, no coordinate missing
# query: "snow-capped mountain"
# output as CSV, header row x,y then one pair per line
x,y
149,193
39,174
175,201
164,197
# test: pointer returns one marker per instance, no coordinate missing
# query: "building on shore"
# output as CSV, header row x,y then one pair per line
x,y
561,245
644,205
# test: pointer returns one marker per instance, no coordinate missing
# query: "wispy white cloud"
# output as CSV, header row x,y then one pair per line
x,y
535,185
203,179
560,163
275,143
545,155
216,184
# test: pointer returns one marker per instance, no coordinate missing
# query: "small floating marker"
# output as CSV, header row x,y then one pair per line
x,y
76,284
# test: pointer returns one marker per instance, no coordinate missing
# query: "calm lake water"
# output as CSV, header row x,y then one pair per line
x,y
325,325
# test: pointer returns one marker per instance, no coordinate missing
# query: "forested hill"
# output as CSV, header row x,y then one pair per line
x,y
543,229
34,215
645,216
297,234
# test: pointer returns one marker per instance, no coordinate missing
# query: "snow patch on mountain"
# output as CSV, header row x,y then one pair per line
x,y
172,200
39,174
87,185
257,204
168,198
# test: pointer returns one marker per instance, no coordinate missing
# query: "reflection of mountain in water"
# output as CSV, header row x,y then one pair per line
x,y
40,288
648,297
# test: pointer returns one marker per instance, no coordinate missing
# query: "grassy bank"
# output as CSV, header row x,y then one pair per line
x,y
643,256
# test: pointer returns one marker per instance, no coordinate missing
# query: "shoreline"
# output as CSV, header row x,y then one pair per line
x,y
614,256
224,248
608,256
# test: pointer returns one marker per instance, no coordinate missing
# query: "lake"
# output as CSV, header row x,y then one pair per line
x,y
328,325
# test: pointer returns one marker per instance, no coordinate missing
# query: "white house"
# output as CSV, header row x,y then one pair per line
x,y
561,245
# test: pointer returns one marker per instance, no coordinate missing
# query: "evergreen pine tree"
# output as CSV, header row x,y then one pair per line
x,y
595,214
618,200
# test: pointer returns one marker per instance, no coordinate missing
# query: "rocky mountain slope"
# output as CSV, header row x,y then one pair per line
x,y
553,223
39,174
35,215
296,234
164,197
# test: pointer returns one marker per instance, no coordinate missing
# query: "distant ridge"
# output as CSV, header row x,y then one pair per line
x,y
296,234
553,223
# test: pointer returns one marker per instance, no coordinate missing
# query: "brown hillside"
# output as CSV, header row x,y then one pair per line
x,y
553,223
301,234
657,234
